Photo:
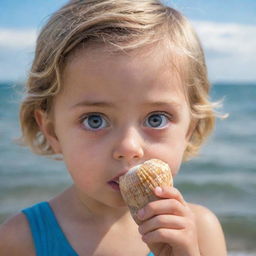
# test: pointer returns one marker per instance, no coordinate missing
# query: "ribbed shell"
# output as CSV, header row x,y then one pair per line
x,y
137,184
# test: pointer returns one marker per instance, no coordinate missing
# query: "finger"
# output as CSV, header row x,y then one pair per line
x,y
169,192
168,236
162,221
161,207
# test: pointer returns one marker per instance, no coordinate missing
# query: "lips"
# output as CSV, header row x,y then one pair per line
x,y
114,183
116,180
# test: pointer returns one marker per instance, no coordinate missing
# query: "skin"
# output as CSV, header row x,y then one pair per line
x,y
140,112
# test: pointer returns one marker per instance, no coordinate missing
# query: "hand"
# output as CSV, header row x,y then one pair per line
x,y
168,225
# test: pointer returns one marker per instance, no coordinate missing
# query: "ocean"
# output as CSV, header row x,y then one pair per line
x,y
222,177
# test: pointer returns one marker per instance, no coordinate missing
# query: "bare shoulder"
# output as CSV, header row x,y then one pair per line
x,y
15,237
204,216
210,234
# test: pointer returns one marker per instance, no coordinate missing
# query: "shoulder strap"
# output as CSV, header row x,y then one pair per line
x,y
49,239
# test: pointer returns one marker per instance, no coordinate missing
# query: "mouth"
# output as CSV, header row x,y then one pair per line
x,y
114,185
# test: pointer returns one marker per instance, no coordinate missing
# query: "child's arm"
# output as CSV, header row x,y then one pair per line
x,y
173,227
15,237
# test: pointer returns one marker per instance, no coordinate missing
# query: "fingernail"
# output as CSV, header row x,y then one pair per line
x,y
141,213
158,190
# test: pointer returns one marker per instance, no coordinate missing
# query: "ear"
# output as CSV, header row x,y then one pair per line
x,y
47,128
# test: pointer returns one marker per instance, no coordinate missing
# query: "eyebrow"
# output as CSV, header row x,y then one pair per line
x,y
88,103
163,104
103,104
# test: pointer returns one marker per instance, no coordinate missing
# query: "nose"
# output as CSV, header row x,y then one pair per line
x,y
129,146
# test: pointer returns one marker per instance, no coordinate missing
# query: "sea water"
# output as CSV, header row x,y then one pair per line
x,y
222,177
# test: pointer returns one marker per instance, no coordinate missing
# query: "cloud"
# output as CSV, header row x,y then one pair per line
x,y
16,53
230,51
16,38
227,38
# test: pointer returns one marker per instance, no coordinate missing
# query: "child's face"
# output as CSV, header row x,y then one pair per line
x,y
114,113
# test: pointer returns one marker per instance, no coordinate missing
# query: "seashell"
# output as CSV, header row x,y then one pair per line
x,y
138,183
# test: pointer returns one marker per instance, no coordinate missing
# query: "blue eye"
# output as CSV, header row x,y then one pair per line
x,y
94,122
157,121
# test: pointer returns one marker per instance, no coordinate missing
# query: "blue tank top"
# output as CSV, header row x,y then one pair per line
x,y
48,237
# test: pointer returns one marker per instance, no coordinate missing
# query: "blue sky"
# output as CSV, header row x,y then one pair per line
x,y
227,30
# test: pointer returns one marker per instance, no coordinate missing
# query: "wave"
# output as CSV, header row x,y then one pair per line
x,y
240,232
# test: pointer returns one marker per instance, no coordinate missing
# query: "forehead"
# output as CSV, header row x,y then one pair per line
x,y
147,65
155,57
145,72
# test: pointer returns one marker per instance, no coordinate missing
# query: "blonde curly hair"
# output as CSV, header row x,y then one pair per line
x,y
123,25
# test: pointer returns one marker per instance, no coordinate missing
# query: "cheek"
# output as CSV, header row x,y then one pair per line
x,y
84,160
85,172
81,148
177,157
175,166
171,153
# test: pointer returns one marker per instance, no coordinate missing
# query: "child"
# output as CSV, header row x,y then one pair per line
x,y
115,83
